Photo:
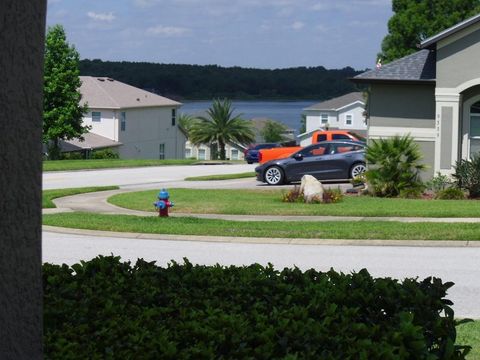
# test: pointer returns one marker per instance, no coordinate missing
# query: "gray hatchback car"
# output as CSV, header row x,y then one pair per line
x,y
328,160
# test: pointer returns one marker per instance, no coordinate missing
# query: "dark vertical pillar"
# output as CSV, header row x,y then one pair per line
x,y
22,29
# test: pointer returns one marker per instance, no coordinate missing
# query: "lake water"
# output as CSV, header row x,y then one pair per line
x,y
286,112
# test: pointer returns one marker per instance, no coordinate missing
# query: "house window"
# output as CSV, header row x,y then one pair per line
x,y
96,116
188,153
349,119
123,121
174,116
161,151
475,128
324,118
201,154
234,155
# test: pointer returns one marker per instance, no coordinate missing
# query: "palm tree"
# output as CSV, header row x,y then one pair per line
x,y
186,121
221,127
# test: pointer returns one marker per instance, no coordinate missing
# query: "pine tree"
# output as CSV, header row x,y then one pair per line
x,y
62,112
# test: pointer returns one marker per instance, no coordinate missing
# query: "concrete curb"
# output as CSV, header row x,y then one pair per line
x,y
254,240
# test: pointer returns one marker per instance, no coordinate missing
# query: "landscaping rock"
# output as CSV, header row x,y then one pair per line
x,y
312,189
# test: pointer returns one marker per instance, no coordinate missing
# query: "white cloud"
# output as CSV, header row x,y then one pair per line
x,y
167,31
101,17
297,25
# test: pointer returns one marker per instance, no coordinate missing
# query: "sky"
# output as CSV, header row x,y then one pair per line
x,y
265,34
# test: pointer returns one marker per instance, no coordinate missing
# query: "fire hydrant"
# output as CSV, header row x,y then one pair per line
x,y
163,203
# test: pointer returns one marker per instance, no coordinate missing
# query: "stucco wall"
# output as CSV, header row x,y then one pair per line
x,y
400,104
458,58
337,119
107,126
401,109
146,129
21,74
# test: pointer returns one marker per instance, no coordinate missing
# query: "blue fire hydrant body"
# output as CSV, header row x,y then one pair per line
x,y
163,203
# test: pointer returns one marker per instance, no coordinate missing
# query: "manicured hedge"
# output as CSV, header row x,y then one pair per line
x,y
108,309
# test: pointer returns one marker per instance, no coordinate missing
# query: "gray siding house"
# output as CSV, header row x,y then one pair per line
x,y
433,95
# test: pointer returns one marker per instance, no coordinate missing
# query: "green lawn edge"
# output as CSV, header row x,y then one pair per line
x,y
469,334
221,177
269,202
358,230
49,195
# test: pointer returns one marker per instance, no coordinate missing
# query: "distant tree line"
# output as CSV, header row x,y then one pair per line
x,y
212,81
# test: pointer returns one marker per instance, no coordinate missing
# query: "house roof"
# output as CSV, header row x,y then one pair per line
x,y
431,41
91,141
339,102
417,67
107,93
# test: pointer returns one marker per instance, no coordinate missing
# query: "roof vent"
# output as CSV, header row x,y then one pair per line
x,y
110,79
100,79
138,99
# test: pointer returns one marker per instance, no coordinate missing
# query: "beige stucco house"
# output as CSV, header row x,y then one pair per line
x,y
138,123
345,112
433,95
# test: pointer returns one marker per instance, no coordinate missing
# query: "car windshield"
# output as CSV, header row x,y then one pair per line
x,y
359,137
264,146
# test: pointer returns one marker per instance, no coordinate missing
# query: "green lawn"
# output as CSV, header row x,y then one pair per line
x,y
64,165
268,202
469,334
49,195
221,177
270,229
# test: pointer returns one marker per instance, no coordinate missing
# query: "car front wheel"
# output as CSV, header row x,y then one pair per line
x,y
357,169
274,176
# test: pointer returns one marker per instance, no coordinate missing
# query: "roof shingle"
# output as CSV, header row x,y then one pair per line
x,y
338,102
420,66
106,93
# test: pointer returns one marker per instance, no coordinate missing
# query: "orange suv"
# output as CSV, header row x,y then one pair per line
x,y
317,136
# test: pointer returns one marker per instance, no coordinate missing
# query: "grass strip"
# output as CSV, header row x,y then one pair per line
x,y
65,165
269,202
221,177
49,195
469,333
268,229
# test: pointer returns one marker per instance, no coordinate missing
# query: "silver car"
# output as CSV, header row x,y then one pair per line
x,y
327,160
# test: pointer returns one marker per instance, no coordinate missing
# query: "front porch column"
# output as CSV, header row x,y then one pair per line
x,y
447,124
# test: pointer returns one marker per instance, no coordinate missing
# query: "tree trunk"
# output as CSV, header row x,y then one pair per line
x,y
221,145
54,150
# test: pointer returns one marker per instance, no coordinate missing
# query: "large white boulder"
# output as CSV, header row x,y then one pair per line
x,y
311,188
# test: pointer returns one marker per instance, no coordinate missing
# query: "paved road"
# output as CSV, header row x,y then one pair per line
x,y
459,265
144,176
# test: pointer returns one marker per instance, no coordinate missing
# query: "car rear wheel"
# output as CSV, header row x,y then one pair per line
x,y
357,169
274,176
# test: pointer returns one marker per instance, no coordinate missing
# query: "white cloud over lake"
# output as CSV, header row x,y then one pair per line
x,y
250,33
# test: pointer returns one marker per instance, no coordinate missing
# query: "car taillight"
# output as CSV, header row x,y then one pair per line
x,y
259,156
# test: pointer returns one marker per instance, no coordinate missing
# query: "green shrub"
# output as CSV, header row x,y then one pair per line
x,y
439,182
393,166
293,195
467,175
104,154
106,309
411,193
332,196
72,156
450,194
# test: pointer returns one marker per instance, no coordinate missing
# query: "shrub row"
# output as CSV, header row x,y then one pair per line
x,y
105,309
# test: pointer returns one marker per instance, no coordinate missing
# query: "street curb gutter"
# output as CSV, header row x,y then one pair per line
x,y
254,240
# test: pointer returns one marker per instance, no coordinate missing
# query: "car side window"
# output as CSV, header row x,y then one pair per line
x,y
321,137
343,148
316,150
340,137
